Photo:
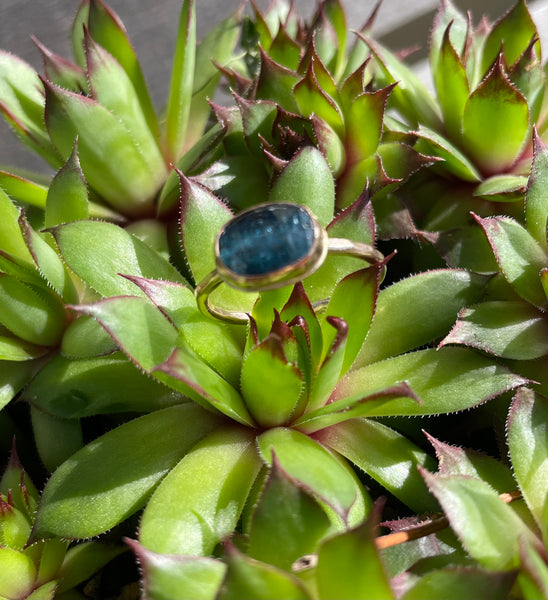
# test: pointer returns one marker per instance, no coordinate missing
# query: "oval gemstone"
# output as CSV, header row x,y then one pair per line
x,y
266,239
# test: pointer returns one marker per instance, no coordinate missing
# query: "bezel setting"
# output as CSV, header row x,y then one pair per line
x,y
276,278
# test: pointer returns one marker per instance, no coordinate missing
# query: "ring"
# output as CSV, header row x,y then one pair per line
x,y
267,247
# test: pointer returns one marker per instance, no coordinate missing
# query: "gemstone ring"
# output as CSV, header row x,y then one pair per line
x,y
267,247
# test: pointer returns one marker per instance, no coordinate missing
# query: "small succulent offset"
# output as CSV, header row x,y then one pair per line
x,y
260,458
40,569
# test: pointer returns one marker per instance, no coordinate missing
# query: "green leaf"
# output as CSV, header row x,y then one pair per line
x,y
83,560
182,79
466,247
186,372
338,575
359,287
22,105
455,162
139,328
330,369
108,480
514,330
446,380
488,528
502,188
410,95
200,502
109,32
218,344
49,554
23,189
527,441
48,262
248,578
330,145
363,124
16,483
536,199
258,118
111,87
335,16
519,256
276,83
18,574
510,35
112,161
11,237
55,439
61,71
207,146
31,313
14,526
168,576
386,456
44,592
312,99
495,123
72,389
533,575
271,386
67,198
77,33
240,179
202,216
216,48
287,522
328,478
454,460
15,349
13,377
338,411
297,306
85,338
285,50
455,583
307,180
451,85
418,310
355,223
100,252
447,15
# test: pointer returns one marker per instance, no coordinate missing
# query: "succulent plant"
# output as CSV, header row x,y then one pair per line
x,y
249,459
104,92
293,387
304,86
512,323
490,88
41,569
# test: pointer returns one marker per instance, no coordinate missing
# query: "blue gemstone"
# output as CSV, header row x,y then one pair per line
x,y
266,239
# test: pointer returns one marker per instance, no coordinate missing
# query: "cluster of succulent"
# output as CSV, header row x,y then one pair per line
x,y
372,431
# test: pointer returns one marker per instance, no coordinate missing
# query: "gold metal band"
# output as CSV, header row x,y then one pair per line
x,y
213,280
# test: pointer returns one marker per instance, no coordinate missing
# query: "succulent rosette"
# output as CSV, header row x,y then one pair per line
x,y
512,322
253,454
40,569
303,86
102,101
94,123
290,402
489,83
63,363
